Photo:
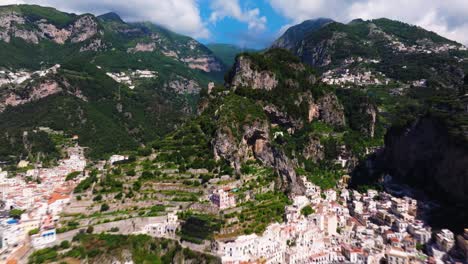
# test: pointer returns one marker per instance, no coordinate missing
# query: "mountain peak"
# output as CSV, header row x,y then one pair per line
x,y
297,32
111,16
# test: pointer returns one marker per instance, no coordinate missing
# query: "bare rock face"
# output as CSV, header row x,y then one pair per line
x,y
142,47
7,22
244,75
314,150
369,128
28,36
282,119
313,112
326,108
42,90
205,63
183,85
59,36
255,143
84,28
330,110
94,45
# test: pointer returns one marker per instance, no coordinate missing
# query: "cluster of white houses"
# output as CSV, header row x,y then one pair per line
x,y
345,226
41,199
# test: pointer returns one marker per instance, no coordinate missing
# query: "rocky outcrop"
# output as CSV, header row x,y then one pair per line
x,y
314,150
426,156
282,119
84,28
11,25
244,74
330,110
28,36
142,47
370,112
42,90
183,85
94,45
255,144
205,63
57,35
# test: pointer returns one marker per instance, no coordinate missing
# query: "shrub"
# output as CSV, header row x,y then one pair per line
x,y
104,207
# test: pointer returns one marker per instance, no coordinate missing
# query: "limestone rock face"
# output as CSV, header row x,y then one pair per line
x,y
183,85
371,112
255,143
330,110
142,47
84,28
57,35
314,150
42,90
280,118
205,63
244,75
11,25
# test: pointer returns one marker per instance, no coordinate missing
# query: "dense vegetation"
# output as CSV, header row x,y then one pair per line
x,y
141,248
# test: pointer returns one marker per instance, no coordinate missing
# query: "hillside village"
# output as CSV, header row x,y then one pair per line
x,y
336,145
323,226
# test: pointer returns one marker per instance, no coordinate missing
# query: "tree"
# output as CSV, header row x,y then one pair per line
x,y
137,185
90,229
65,244
33,231
97,198
16,213
307,210
104,207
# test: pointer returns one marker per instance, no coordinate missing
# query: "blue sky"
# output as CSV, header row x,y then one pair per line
x,y
256,23
230,29
235,31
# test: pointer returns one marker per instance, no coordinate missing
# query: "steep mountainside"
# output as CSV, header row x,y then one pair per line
x,y
293,37
418,81
274,112
115,84
379,51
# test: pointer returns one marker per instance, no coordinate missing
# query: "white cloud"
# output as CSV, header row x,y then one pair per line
x,y
448,18
182,16
231,8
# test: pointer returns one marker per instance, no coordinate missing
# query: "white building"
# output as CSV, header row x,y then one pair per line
x,y
397,256
43,239
445,240
165,228
115,158
223,199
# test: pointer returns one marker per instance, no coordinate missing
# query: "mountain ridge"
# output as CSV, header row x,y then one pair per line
x,y
138,69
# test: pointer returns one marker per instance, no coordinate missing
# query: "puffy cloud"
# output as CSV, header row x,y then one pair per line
x,y
231,8
446,17
182,16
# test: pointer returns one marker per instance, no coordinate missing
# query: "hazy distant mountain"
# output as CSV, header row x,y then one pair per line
x,y
227,52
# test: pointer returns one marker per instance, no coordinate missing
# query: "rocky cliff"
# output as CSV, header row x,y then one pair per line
x,y
274,111
256,144
244,74
15,24
426,156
